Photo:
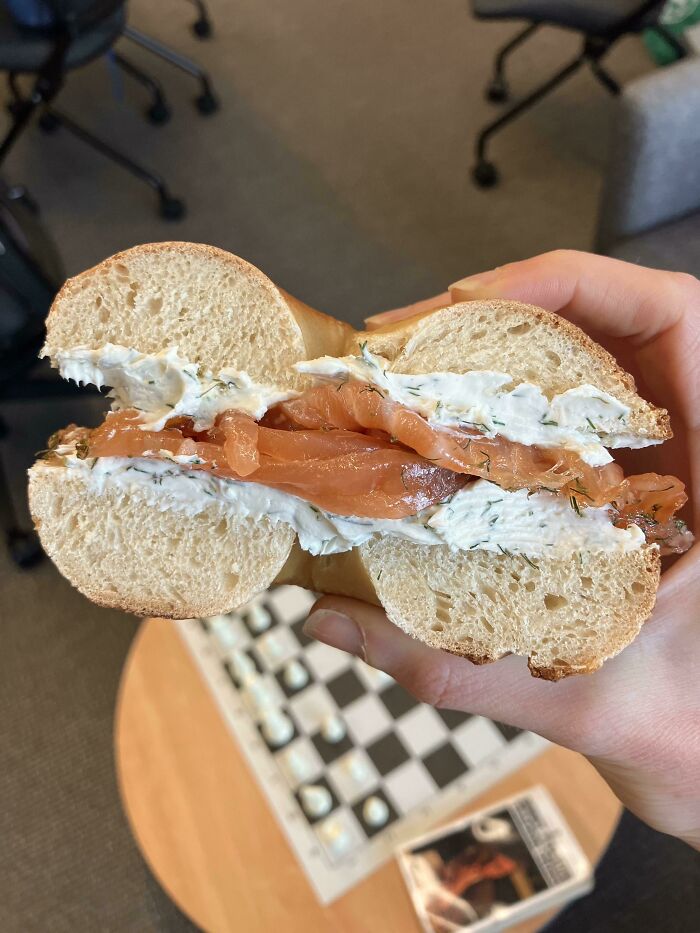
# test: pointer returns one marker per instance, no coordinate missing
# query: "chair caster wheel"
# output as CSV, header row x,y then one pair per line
x,y
202,29
24,548
497,92
206,103
158,113
48,123
485,174
172,208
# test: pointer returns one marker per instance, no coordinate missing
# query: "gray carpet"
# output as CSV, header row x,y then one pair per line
x,y
339,164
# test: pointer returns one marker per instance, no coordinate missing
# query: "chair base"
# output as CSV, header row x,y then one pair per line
x,y
169,207
202,26
158,112
206,101
484,172
497,91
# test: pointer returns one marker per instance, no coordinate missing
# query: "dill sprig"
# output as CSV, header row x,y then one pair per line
x,y
371,388
486,463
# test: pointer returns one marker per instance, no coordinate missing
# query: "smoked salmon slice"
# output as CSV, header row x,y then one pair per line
x,y
352,451
341,471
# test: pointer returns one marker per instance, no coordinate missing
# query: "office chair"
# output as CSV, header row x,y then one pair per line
x,y
77,32
31,273
601,22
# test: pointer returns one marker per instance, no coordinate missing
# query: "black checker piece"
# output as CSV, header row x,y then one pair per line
x,y
387,753
373,830
346,687
445,764
397,700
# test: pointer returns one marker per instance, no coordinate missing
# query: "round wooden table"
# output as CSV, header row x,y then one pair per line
x,y
204,828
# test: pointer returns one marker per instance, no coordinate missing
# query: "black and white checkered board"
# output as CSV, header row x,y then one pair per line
x,y
423,762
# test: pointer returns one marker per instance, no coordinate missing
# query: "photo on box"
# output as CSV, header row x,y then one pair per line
x,y
495,867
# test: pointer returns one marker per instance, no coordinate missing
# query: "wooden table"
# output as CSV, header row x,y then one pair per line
x,y
204,828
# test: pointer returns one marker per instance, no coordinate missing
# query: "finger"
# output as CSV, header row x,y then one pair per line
x,y
656,312
398,314
606,295
504,691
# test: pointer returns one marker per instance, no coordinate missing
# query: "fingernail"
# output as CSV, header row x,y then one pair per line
x,y
336,630
472,284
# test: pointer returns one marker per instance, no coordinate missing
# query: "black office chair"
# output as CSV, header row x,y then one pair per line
x,y
601,22
79,31
31,273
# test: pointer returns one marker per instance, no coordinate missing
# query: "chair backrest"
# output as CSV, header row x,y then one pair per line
x,y
31,273
653,173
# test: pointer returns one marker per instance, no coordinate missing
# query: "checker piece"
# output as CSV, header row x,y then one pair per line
x,y
295,675
375,811
277,728
316,800
333,729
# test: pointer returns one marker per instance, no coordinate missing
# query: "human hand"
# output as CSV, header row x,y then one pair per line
x,y
637,719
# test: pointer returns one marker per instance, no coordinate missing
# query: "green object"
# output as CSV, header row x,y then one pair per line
x,y
676,17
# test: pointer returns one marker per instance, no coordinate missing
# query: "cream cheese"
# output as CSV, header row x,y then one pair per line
x,y
583,419
479,516
164,385
484,516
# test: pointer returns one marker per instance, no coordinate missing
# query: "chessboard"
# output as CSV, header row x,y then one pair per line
x,y
352,765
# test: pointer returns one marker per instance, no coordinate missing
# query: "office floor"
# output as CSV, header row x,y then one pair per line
x,y
338,163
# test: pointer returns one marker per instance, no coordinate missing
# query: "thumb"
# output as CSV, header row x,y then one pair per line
x,y
504,691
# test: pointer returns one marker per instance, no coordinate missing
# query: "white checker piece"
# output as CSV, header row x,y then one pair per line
x,y
352,833
276,647
263,692
290,603
325,661
408,786
229,632
367,718
477,739
372,678
310,707
422,730
300,762
345,852
341,771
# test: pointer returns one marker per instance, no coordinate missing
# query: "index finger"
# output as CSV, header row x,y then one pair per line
x,y
398,314
606,295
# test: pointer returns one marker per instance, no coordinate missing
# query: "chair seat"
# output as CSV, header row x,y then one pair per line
x,y
594,17
25,51
674,246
